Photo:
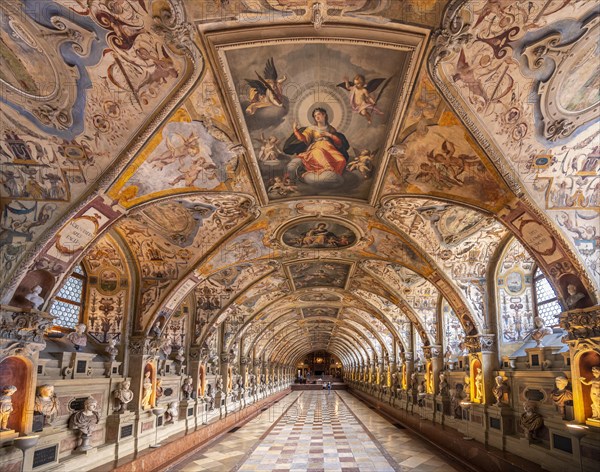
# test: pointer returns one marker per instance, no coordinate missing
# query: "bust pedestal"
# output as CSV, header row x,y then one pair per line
x,y
442,407
112,369
500,423
187,412
121,429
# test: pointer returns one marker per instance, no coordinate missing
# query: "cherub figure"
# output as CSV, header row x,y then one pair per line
x,y
281,186
269,151
177,151
363,163
199,165
361,100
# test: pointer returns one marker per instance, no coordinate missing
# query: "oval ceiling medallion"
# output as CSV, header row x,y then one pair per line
x,y
319,234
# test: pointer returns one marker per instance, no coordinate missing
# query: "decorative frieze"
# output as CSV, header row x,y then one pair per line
x,y
22,332
481,343
581,323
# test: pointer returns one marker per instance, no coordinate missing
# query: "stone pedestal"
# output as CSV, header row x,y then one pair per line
x,y
500,423
76,365
187,413
536,357
442,407
112,369
429,412
478,418
121,429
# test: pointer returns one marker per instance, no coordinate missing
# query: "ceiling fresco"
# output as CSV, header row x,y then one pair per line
x,y
286,176
80,88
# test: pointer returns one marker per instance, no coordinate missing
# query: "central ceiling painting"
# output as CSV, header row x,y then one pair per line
x,y
318,113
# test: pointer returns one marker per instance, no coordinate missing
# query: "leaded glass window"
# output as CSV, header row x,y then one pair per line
x,y
67,305
546,302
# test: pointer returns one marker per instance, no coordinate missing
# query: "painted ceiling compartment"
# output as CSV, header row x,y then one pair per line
x,y
315,177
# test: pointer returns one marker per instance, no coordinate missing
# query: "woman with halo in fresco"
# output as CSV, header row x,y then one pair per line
x,y
321,152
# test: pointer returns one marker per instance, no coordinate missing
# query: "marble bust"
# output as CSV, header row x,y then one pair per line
x,y
561,394
574,296
123,395
530,421
499,390
85,421
78,337
539,330
35,298
187,388
112,349
46,403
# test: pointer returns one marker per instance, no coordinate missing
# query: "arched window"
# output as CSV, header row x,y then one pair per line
x,y
546,301
67,305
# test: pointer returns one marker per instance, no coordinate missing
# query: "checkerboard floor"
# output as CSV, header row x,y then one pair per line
x,y
317,431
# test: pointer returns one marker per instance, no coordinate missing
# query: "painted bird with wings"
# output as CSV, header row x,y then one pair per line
x,y
266,90
361,95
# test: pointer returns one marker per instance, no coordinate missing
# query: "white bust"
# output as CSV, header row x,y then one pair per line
x,y
34,297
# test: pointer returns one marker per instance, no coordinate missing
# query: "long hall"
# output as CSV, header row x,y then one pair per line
x,y
210,209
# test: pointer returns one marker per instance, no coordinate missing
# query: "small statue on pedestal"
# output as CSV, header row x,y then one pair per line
x,y
530,421
112,349
84,421
180,357
147,392
172,412
499,390
187,388
594,391
159,390
156,329
252,383
479,385
467,387
123,395
78,337
444,387
47,404
562,394
209,397
457,396
35,298
6,406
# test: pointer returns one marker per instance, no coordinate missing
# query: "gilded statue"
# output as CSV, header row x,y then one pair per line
x,y
147,392
6,406
479,385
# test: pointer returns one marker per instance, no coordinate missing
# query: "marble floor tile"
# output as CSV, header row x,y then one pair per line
x,y
313,432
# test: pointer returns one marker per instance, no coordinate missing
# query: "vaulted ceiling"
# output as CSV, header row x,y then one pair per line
x,y
164,130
